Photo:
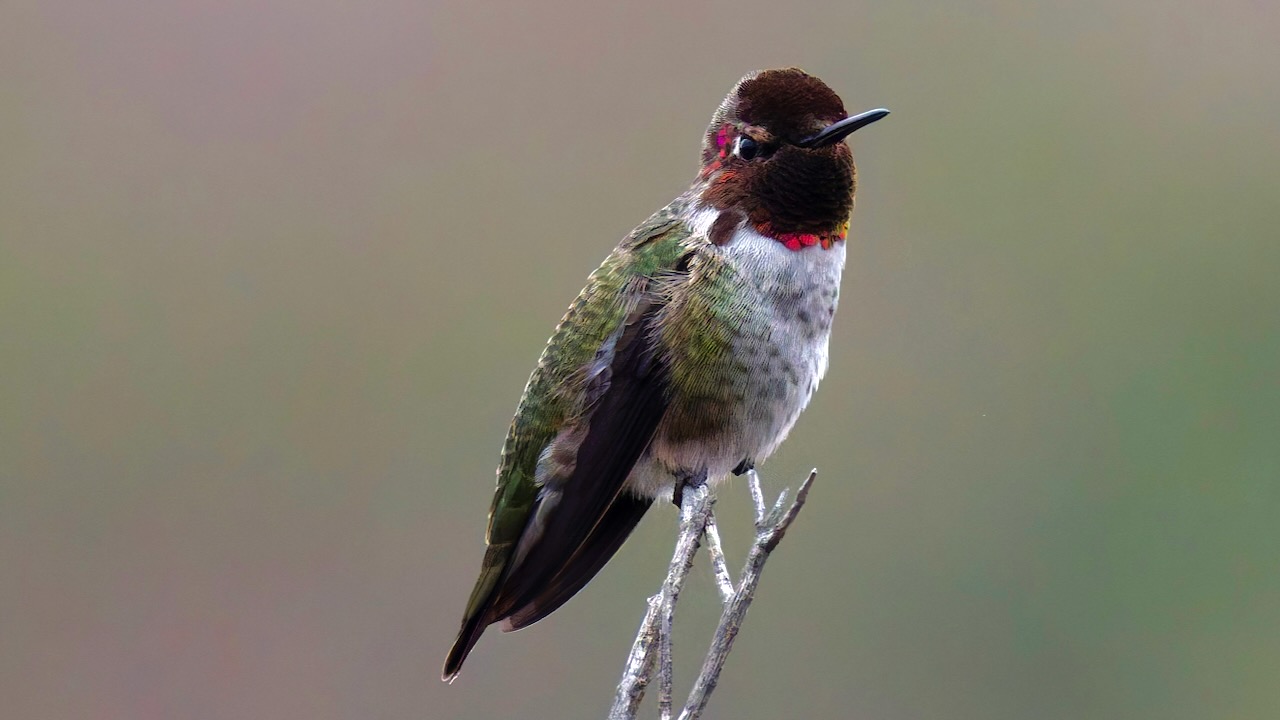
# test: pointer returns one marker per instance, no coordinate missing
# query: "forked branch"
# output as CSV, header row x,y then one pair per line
x,y
652,646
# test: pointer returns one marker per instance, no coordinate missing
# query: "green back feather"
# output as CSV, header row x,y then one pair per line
x,y
555,393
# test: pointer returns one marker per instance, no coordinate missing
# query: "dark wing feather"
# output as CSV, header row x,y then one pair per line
x,y
593,516
619,430
530,581
612,530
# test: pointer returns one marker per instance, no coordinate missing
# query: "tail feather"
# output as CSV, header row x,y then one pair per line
x,y
480,612
545,596
617,523
472,629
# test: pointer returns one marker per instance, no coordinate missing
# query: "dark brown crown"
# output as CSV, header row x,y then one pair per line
x,y
788,189
790,102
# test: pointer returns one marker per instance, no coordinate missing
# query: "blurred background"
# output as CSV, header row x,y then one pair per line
x,y
273,275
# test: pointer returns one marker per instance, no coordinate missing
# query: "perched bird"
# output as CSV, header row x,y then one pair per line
x,y
688,356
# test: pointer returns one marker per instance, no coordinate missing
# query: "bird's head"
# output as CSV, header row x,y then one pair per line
x,y
775,152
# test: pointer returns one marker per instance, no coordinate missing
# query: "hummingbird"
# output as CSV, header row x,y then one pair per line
x,y
687,357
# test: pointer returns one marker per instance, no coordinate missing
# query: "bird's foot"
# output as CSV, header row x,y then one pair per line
x,y
684,480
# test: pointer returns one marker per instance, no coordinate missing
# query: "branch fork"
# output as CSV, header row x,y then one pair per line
x,y
652,646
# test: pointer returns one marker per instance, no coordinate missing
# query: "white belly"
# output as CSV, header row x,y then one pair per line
x,y
781,353
798,290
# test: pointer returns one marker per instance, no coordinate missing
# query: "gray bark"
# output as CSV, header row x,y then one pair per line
x,y
652,646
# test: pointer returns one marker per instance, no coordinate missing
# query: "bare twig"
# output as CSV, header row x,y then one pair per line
x,y
768,535
695,508
718,565
639,667
757,497
666,673
697,518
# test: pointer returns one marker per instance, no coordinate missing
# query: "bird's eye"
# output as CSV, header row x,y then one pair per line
x,y
746,148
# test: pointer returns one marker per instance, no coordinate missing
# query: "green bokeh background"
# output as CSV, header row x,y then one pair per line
x,y
272,277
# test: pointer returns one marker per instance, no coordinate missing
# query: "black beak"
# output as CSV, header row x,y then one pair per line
x,y
836,132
